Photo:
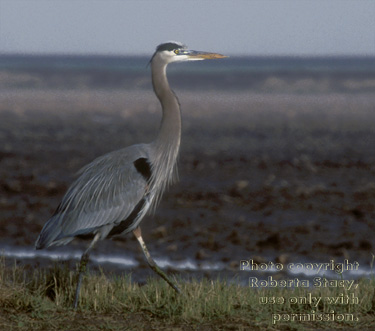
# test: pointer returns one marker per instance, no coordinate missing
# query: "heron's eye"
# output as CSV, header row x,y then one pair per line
x,y
177,51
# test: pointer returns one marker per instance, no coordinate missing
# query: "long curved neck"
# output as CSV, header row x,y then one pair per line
x,y
167,143
170,128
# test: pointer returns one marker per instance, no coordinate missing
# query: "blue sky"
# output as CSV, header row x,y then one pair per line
x,y
248,27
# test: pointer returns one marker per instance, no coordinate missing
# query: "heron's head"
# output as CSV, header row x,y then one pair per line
x,y
173,51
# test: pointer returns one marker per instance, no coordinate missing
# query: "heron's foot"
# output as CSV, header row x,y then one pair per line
x,y
176,288
151,262
162,274
83,268
78,290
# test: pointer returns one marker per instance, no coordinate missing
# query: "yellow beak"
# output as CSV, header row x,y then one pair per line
x,y
205,55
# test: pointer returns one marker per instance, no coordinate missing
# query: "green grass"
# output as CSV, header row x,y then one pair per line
x,y
42,300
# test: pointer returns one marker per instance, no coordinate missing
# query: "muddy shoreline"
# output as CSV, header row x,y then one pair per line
x,y
279,177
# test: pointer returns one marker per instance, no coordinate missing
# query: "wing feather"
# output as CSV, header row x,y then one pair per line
x,y
105,193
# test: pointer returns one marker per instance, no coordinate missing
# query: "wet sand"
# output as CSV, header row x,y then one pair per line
x,y
271,177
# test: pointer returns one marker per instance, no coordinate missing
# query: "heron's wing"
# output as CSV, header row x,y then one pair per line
x,y
106,193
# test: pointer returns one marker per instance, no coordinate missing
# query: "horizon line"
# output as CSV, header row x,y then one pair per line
x,y
108,54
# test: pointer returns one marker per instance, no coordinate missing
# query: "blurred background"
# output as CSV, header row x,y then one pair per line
x,y
277,160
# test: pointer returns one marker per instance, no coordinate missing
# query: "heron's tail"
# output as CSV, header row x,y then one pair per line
x,y
49,233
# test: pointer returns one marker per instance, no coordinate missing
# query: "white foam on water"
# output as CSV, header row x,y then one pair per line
x,y
119,260
164,262
21,253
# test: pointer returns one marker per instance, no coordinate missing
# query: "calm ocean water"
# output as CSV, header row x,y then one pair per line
x,y
235,73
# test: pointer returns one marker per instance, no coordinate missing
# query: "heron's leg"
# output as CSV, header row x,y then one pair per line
x,y
151,262
82,268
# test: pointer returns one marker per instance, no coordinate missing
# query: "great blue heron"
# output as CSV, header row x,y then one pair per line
x,y
114,192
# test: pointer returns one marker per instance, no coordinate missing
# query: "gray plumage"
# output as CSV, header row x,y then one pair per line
x,y
114,192
105,194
